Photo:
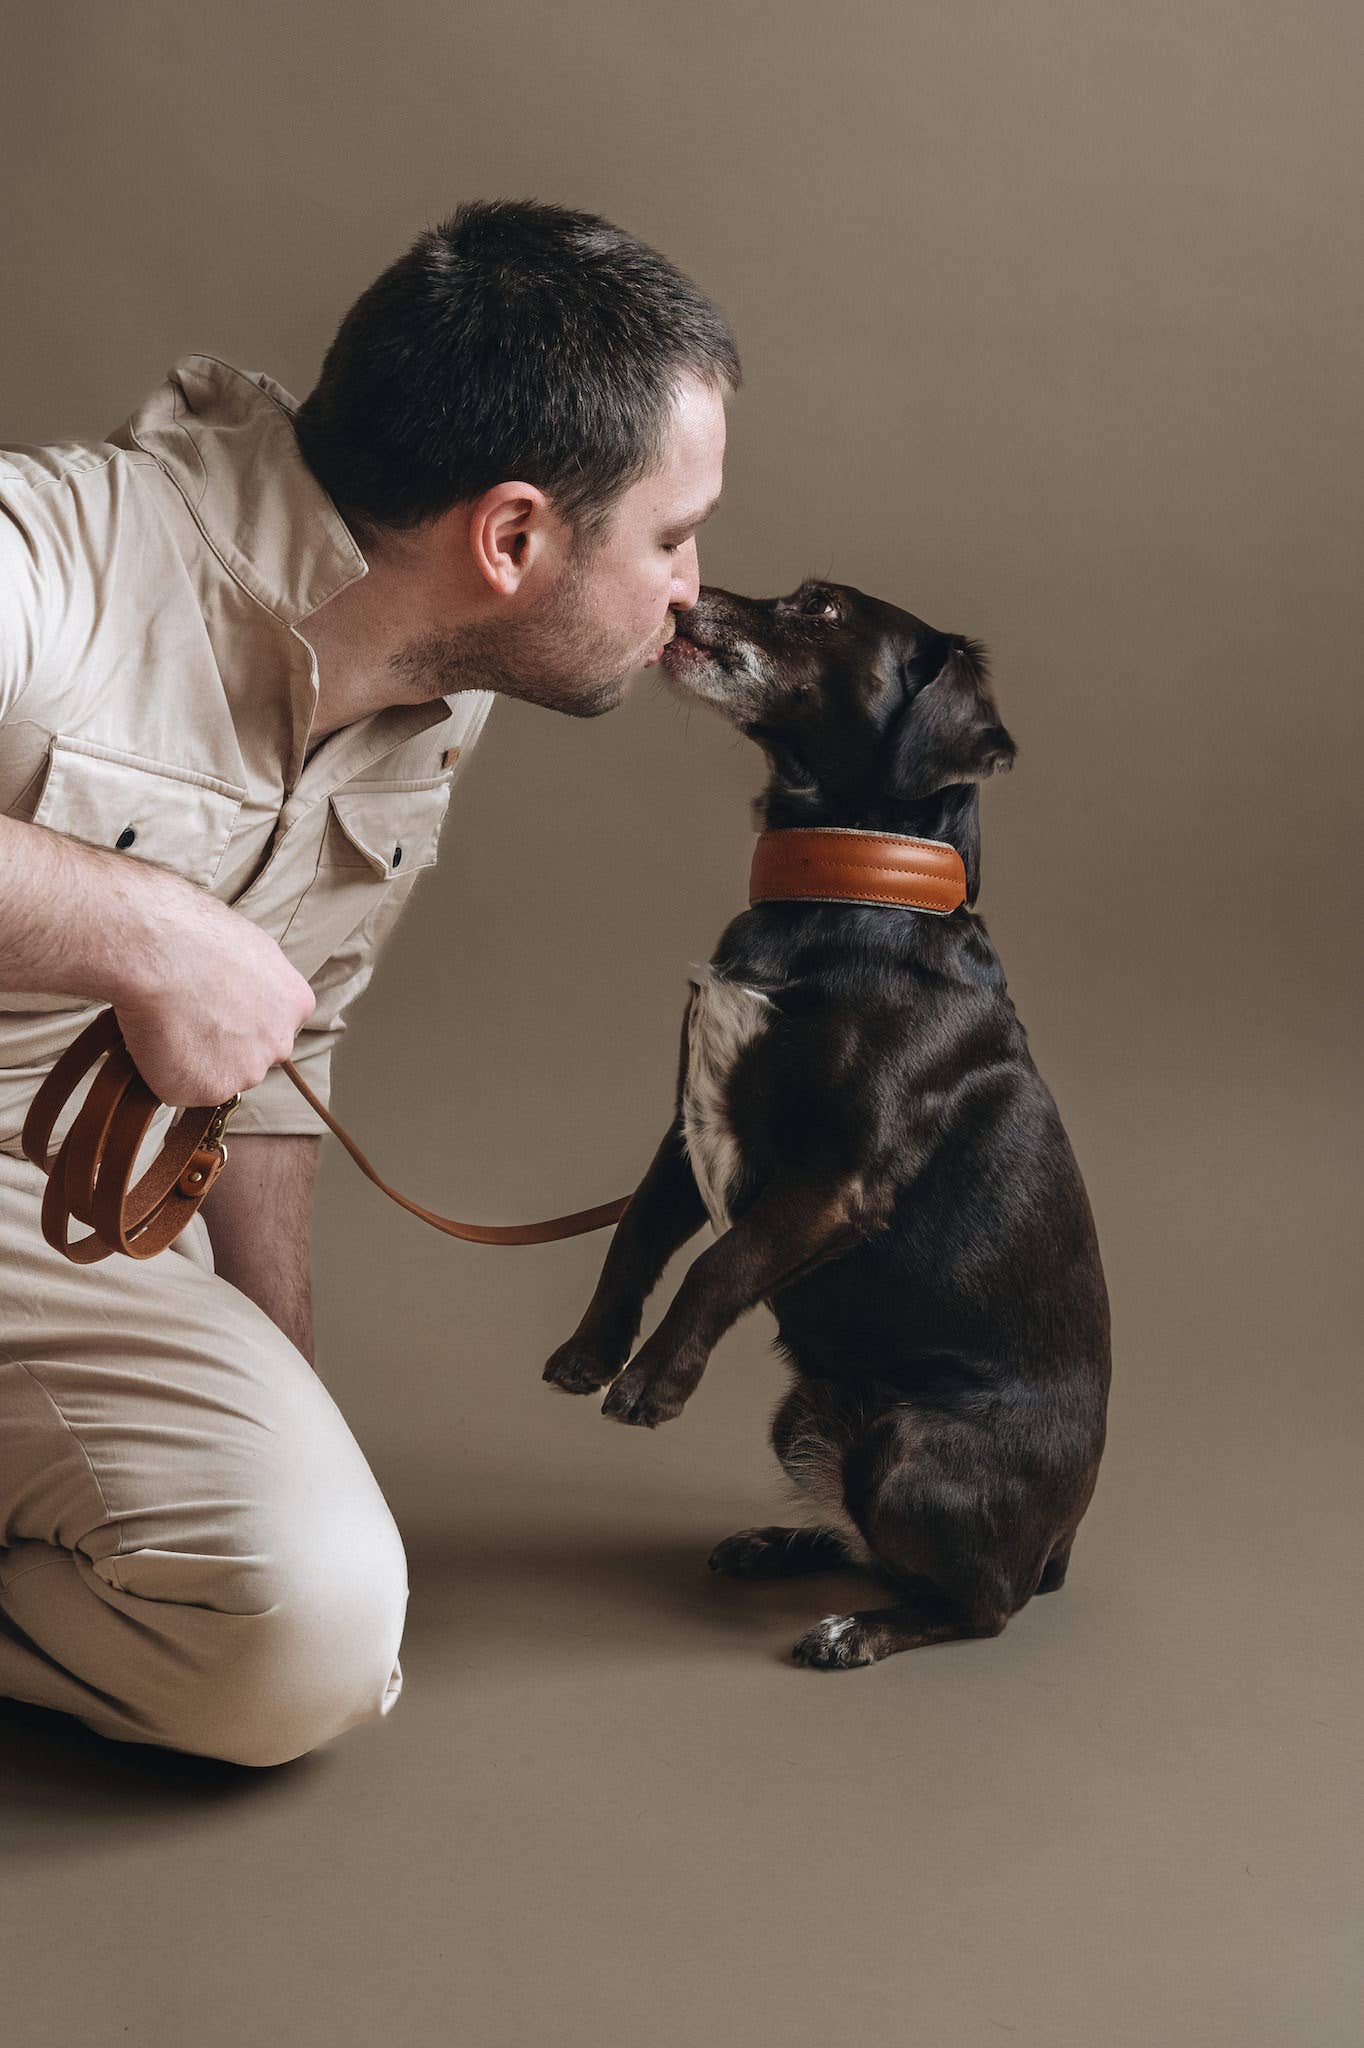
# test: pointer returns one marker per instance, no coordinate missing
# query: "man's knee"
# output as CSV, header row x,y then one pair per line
x,y
319,1659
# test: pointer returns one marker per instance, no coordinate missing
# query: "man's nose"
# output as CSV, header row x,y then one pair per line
x,y
686,579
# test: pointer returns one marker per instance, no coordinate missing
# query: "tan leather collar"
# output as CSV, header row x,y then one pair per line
x,y
839,864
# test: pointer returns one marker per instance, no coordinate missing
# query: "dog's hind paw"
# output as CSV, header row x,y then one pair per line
x,y
752,1554
779,1553
838,1643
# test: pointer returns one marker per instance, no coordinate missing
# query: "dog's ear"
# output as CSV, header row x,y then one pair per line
x,y
949,730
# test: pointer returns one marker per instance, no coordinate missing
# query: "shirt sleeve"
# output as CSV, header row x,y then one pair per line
x,y
22,601
274,1107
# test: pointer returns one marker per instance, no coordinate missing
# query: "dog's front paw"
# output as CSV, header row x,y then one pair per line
x,y
838,1643
578,1368
642,1399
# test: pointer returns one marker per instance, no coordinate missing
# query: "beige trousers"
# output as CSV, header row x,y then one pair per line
x,y
193,1550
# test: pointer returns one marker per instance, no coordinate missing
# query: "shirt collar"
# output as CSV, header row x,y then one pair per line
x,y
226,440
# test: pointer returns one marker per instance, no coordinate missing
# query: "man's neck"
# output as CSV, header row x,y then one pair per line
x,y
354,637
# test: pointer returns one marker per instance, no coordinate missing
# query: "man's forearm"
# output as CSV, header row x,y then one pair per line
x,y
259,1217
77,920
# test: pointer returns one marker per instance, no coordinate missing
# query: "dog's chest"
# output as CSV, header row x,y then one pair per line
x,y
724,1018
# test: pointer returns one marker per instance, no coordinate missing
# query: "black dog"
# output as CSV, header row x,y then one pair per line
x,y
858,1113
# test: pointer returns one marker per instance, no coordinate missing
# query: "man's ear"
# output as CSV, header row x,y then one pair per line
x,y
949,731
504,527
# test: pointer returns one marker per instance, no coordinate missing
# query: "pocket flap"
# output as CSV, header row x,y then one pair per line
x,y
396,830
149,809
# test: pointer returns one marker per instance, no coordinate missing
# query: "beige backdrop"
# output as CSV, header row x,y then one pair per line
x,y
1051,321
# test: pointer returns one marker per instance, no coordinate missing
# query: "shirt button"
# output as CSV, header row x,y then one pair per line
x,y
397,855
125,837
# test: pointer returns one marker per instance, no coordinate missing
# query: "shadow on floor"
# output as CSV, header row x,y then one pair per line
x,y
564,1589
64,1789
603,1593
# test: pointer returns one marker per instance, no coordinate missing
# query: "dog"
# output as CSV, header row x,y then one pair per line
x,y
858,1116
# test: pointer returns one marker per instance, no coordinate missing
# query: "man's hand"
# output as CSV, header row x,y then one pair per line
x,y
207,1002
259,1217
216,1005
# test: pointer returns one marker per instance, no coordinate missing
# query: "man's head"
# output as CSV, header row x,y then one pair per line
x,y
524,418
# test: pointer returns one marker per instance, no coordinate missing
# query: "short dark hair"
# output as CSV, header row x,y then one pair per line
x,y
514,340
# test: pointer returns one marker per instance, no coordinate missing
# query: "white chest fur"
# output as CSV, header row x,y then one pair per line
x,y
723,1019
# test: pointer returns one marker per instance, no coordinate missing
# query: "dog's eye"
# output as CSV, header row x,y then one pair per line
x,y
817,604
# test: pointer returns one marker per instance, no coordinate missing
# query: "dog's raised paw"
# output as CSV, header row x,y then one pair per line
x,y
838,1643
640,1401
576,1369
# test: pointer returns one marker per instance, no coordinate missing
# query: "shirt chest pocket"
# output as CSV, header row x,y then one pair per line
x,y
151,810
374,838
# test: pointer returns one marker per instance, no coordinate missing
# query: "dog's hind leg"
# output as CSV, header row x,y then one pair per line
x,y
811,1433
842,1641
946,1524
925,1492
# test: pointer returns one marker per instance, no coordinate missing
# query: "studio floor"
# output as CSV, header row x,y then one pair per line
x,y
608,1808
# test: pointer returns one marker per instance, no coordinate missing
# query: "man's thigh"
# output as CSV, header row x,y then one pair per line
x,y
159,1433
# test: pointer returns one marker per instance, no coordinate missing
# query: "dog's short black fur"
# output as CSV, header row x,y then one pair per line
x,y
899,1187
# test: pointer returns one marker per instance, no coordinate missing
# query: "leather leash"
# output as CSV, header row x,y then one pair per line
x,y
88,1177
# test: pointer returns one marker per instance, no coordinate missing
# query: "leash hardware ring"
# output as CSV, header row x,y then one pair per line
x,y
209,1157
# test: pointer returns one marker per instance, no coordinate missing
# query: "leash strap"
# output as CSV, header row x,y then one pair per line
x,y
88,1178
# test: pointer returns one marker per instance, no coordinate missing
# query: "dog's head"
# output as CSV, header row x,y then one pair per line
x,y
852,700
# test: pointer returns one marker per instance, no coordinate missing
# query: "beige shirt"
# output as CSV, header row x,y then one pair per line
x,y
157,697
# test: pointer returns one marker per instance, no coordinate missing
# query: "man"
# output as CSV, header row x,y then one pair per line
x,y
245,649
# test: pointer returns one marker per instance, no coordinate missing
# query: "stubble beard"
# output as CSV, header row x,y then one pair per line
x,y
555,656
